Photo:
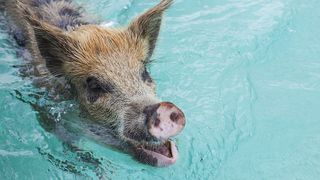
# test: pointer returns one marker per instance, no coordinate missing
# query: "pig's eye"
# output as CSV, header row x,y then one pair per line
x,y
96,89
146,76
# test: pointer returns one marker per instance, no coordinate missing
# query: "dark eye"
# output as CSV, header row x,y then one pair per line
x,y
95,88
146,76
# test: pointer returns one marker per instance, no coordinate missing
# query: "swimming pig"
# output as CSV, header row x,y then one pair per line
x,y
104,69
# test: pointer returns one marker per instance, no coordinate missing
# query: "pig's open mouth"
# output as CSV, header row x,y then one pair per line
x,y
160,155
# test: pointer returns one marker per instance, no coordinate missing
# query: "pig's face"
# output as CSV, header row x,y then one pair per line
x,y
107,68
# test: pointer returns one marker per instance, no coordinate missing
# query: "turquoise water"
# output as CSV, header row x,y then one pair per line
x,y
246,73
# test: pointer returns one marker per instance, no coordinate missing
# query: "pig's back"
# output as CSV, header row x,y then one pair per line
x,y
60,13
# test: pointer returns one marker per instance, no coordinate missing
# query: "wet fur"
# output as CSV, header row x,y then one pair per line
x,y
67,49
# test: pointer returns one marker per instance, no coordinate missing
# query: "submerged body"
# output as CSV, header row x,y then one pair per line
x,y
104,70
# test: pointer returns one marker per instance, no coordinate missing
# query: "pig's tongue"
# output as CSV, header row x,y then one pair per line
x,y
164,150
165,154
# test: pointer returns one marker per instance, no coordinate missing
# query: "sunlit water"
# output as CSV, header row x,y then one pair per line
x,y
246,73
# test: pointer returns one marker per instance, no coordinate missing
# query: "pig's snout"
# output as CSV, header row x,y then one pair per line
x,y
164,120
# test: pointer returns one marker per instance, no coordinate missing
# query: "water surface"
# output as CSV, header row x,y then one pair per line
x,y
246,73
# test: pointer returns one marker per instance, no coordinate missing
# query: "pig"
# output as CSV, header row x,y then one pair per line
x,y
104,70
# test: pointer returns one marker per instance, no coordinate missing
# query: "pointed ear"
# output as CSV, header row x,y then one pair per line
x,y
53,43
147,25
54,47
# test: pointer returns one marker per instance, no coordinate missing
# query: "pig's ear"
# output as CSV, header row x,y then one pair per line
x,y
147,25
53,43
54,47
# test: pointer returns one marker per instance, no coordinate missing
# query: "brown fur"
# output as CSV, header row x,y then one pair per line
x,y
90,61
114,56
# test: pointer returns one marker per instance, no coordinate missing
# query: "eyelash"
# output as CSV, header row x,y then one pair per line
x,y
146,76
95,85
96,89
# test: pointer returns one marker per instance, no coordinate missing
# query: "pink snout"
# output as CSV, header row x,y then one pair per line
x,y
164,120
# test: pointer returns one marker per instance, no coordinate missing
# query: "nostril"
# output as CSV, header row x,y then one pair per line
x,y
174,117
157,122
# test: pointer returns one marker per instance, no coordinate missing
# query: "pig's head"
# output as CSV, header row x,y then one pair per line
x,y
107,68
